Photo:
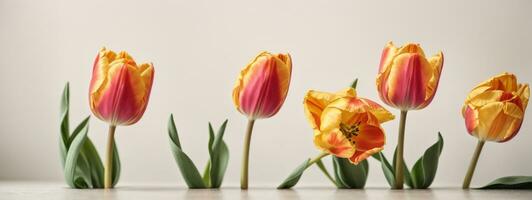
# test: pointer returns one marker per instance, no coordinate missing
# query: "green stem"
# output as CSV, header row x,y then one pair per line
x,y
322,169
472,165
245,156
108,182
399,157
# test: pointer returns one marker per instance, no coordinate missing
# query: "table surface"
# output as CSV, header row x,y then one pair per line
x,y
58,191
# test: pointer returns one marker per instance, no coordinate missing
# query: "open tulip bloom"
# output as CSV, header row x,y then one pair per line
x,y
346,126
407,80
119,93
259,92
494,111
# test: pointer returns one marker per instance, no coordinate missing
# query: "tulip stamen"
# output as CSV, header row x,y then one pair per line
x,y
350,131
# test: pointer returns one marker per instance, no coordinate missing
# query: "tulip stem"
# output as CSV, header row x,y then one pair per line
x,y
400,146
245,155
323,170
108,182
473,165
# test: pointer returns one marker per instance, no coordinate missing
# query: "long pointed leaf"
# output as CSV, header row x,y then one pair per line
x,y
219,158
510,182
186,166
92,156
294,177
424,171
322,167
71,161
116,165
64,128
387,169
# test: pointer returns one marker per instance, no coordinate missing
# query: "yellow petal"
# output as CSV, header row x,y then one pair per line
x,y
316,101
334,142
330,118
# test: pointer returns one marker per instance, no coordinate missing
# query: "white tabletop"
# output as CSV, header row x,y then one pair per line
x,y
58,191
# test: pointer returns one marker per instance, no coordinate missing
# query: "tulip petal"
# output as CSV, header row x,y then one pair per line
x,y
359,156
330,118
335,143
411,48
316,101
407,81
499,121
376,109
436,62
262,86
471,121
387,56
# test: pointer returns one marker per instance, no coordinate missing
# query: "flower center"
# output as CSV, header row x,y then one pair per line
x,y
350,131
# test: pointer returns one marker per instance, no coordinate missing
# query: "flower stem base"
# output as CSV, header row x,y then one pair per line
x,y
473,165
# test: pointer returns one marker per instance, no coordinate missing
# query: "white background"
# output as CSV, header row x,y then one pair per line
x,y
198,48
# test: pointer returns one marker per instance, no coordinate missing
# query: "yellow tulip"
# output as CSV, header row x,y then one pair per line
x,y
494,111
495,108
345,125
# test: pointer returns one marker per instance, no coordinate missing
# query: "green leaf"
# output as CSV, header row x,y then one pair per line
x,y
424,170
387,169
64,127
71,160
294,177
207,171
510,182
186,166
350,175
96,166
219,158
322,167
115,176
354,84
337,179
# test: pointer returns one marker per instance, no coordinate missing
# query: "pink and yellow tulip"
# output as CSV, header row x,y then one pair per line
x,y
119,89
494,111
408,80
345,125
259,92
118,94
263,85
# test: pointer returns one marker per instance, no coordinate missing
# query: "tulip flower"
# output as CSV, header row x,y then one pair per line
x,y
494,111
407,80
345,125
259,93
119,93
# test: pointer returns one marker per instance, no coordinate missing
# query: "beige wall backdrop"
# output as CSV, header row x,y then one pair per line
x,y
198,48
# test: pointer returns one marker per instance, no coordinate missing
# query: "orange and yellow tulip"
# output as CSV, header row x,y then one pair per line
x,y
118,94
263,85
494,109
119,89
345,125
408,80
